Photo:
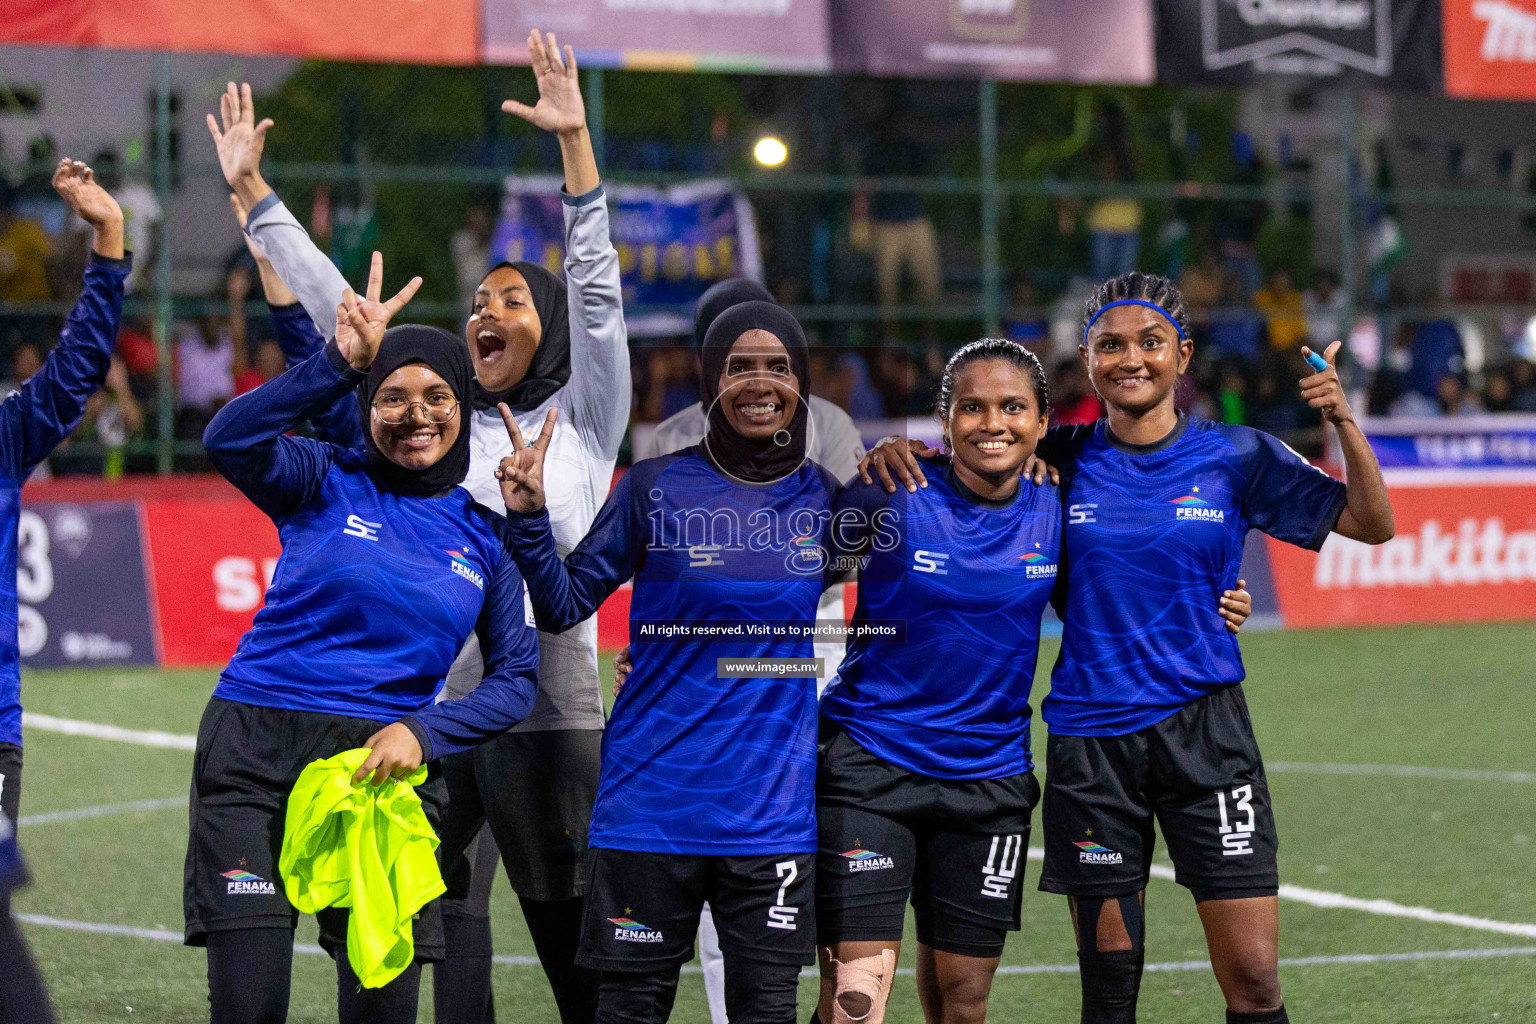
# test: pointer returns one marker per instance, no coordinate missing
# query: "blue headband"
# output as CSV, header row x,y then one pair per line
x,y
1132,302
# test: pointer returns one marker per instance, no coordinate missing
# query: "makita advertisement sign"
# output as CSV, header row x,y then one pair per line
x,y
1490,49
1226,40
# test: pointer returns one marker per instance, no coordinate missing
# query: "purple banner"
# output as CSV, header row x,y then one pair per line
x,y
1023,40
82,595
707,35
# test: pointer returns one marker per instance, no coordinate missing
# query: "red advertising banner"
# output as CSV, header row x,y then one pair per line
x,y
1490,48
407,31
210,563
1464,552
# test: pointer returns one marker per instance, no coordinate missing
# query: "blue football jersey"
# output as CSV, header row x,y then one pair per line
x,y
375,592
694,763
1153,535
969,579
33,421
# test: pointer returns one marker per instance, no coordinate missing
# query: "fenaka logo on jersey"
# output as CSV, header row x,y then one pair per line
x,y
461,566
1089,852
860,859
1037,566
1192,506
243,883
627,929
1307,37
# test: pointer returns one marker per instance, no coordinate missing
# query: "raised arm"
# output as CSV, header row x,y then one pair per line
x,y
598,393
246,440
49,405
298,262
1367,514
563,593
507,690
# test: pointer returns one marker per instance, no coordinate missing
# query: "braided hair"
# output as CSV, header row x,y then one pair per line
x,y
1136,285
990,348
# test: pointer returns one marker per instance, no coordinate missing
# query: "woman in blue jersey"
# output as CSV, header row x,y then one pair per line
x,y
1146,713
388,565
709,760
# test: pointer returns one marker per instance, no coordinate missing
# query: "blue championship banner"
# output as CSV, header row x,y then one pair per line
x,y
673,243
82,596
1501,442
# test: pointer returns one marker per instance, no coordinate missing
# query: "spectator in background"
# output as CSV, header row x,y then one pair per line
x,y
901,233
1272,409
471,246
864,400
671,383
1456,399
1324,310
1114,226
205,374
141,214
26,360
112,417
1498,392
1072,397
1026,322
1202,286
1522,381
1284,311
1232,395
268,363
136,344
24,249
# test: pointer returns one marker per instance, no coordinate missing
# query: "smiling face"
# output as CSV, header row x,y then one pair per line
x,y
994,420
758,389
503,331
415,442
1134,357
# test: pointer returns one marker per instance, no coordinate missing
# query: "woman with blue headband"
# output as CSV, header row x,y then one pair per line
x,y
1146,712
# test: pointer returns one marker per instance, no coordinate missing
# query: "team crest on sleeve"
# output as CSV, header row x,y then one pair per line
x,y
1192,506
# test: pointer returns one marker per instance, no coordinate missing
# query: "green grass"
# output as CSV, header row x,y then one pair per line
x,y
1456,697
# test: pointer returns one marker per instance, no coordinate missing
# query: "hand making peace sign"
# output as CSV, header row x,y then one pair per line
x,y
360,326
522,473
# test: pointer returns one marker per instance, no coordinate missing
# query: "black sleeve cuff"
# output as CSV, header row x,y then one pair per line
x,y
340,365
420,732
528,519
267,202
125,264
288,310
1329,521
585,199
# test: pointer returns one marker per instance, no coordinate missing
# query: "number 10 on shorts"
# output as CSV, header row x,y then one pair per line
x,y
1236,835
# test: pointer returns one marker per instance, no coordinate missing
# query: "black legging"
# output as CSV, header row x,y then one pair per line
x,y
755,993
250,972
23,999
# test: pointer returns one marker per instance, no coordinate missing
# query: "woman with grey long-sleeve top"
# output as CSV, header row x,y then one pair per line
x,y
536,344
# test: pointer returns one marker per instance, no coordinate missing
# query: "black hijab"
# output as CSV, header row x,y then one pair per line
x,y
736,456
721,296
550,367
446,356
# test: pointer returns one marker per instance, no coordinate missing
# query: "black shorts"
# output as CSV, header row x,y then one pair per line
x,y
247,761
10,782
642,909
957,847
536,789
1198,771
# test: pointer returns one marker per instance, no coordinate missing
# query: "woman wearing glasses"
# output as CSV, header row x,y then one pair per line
x,y
388,566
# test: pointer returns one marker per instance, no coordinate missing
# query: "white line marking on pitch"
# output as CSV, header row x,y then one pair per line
x,y
1405,771
1385,908
164,935
102,811
97,731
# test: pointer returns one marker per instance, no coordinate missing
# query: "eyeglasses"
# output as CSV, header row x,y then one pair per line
x,y
438,409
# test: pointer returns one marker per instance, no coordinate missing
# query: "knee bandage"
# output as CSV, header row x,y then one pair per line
x,y
867,983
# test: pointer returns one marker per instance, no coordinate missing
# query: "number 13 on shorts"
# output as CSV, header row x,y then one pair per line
x,y
1237,831
998,872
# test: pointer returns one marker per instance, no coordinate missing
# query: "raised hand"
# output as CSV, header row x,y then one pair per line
x,y
560,108
76,184
522,473
1324,392
360,325
240,141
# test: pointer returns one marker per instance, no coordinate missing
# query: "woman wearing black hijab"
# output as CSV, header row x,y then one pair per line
x,y
388,565
535,343
707,780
